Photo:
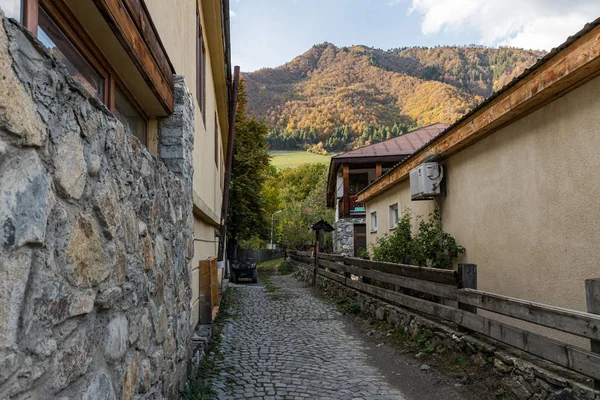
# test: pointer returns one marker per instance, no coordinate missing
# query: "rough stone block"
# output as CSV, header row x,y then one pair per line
x,y
14,273
117,338
25,201
88,262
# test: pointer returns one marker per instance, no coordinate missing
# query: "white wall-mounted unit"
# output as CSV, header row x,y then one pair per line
x,y
425,181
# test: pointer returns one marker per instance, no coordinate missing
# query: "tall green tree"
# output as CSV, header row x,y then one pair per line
x,y
247,217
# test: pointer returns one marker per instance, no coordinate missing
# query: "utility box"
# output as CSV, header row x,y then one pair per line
x,y
425,181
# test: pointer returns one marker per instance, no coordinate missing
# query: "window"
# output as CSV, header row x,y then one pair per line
x,y
53,23
393,216
374,221
130,117
12,9
216,141
200,69
65,51
358,182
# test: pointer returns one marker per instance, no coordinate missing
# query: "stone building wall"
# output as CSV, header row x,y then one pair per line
x,y
96,239
343,235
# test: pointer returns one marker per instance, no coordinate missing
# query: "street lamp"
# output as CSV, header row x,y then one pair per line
x,y
272,223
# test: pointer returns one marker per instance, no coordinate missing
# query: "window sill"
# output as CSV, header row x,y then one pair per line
x,y
373,230
393,227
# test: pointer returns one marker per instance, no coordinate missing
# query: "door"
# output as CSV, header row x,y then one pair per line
x,y
360,239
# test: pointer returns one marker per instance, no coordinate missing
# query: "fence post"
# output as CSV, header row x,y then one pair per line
x,y
316,264
467,279
592,296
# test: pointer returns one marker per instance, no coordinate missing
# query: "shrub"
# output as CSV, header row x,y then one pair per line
x,y
430,247
396,247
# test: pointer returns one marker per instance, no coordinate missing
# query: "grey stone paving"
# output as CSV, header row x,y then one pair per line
x,y
294,346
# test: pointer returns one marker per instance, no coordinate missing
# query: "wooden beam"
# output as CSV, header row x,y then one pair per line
x,y
438,289
346,198
567,70
378,170
575,322
424,273
467,279
333,276
137,45
331,257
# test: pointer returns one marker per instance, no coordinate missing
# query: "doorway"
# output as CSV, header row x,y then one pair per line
x,y
360,239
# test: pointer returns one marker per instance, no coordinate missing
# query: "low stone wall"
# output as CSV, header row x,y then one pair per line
x,y
343,235
522,376
96,239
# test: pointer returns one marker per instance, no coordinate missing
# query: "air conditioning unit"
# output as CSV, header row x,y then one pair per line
x,y
425,181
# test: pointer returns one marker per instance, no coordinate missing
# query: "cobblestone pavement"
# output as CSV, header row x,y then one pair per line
x,y
292,345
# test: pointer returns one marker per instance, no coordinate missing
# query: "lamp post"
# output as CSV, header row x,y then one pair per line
x,y
272,223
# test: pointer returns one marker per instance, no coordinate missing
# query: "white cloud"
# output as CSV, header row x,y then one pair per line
x,y
232,14
535,24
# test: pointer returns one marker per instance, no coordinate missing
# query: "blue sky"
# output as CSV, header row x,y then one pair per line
x,y
268,33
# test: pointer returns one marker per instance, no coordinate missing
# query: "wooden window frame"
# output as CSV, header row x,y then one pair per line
x,y
200,68
216,142
66,21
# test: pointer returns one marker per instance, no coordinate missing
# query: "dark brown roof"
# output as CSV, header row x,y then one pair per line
x,y
402,145
392,150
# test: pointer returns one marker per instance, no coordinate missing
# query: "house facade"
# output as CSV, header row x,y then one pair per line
x,y
351,172
519,196
113,133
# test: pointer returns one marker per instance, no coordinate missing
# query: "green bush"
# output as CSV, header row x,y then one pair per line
x,y
430,247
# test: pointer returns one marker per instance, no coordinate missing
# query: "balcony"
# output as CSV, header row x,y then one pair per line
x,y
354,208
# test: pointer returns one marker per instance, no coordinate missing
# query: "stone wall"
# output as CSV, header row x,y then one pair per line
x,y
343,235
522,376
95,239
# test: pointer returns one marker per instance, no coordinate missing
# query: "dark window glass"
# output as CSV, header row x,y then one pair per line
x,y
59,45
12,9
126,112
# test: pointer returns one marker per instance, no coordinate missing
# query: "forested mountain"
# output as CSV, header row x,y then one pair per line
x,y
351,96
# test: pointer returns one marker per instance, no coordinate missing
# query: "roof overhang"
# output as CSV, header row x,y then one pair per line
x,y
565,68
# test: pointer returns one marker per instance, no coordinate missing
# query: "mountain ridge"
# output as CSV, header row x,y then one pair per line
x,y
338,98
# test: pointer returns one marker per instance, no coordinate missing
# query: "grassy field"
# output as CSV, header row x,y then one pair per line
x,y
290,159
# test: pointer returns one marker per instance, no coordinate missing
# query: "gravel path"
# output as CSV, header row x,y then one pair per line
x,y
289,344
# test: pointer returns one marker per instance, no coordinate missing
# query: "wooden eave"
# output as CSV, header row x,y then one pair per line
x,y
215,39
131,23
563,70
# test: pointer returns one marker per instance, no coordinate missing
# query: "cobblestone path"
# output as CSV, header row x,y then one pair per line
x,y
292,345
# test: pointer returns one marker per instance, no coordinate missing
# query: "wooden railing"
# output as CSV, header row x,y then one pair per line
x,y
363,275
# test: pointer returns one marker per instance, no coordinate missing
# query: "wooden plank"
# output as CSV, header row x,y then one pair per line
x,y
333,276
305,260
562,319
205,292
424,306
562,354
424,273
214,282
120,22
565,71
435,288
308,267
331,257
592,296
467,279
346,190
378,170
140,15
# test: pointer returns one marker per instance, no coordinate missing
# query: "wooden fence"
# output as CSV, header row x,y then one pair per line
x,y
367,276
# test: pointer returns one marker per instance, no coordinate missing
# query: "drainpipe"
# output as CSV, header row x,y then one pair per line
x,y
228,163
